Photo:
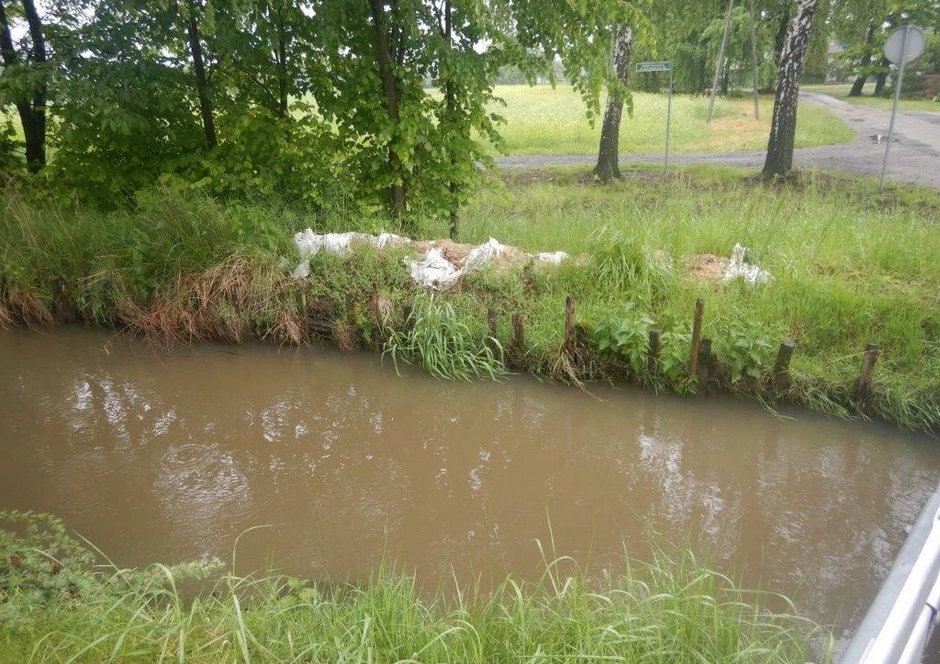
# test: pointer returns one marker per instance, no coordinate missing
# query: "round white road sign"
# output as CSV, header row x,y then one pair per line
x,y
916,40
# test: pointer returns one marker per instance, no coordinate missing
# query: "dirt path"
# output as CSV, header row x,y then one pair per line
x,y
915,155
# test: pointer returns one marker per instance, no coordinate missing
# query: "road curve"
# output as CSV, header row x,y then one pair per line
x,y
915,154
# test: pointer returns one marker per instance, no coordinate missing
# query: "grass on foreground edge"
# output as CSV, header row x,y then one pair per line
x,y
56,606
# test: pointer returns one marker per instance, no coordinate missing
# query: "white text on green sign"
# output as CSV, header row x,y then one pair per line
x,y
654,66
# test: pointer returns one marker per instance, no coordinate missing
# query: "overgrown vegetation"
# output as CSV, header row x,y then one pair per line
x,y
56,607
850,268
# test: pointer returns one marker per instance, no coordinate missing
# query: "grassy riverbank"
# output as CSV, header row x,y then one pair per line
x,y
546,120
850,268
56,607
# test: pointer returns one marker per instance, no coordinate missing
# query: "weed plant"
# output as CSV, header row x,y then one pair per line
x,y
670,611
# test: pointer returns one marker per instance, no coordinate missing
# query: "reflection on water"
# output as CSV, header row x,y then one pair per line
x,y
169,456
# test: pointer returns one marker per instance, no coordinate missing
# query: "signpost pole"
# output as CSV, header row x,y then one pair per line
x,y
894,107
662,66
668,122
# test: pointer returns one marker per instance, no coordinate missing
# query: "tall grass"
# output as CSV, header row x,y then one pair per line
x,y
546,120
669,611
445,344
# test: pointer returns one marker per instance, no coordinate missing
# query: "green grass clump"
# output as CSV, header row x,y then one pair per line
x,y
444,343
546,120
56,607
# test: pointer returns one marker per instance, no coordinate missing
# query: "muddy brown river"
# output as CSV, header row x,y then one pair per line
x,y
165,456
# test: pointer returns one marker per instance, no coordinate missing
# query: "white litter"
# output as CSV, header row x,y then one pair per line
x,y
431,270
309,244
752,274
553,257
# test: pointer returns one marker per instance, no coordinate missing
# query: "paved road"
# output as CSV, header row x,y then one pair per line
x,y
915,155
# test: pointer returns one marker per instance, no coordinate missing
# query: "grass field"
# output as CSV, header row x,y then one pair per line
x,y
841,91
546,120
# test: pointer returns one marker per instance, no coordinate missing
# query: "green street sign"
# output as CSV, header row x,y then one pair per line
x,y
654,66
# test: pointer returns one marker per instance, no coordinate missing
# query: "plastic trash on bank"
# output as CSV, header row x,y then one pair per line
x,y
738,267
433,269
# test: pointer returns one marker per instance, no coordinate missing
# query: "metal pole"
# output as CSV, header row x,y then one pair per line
x,y
754,58
668,121
894,107
721,59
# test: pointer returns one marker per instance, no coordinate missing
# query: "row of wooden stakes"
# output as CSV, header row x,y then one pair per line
x,y
700,347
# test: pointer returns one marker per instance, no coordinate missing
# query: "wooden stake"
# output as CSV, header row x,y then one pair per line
x,y
518,331
491,321
781,370
705,358
569,323
865,378
406,316
652,355
696,336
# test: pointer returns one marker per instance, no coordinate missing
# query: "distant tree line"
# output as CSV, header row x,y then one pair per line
x,y
384,105
316,100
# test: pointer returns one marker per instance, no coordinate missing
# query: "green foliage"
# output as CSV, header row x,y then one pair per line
x,y
10,160
444,343
674,359
296,99
746,347
39,562
625,333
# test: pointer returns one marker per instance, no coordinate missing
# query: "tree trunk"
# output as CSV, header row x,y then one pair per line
x,y
783,125
780,36
859,84
450,101
202,82
36,136
882,78
392,101
30,105
281,62
608,166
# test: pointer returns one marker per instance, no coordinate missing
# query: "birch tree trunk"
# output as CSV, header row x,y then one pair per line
x,y
608,166
783,125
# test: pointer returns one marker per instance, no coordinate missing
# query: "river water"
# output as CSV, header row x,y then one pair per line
x,y
165,456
